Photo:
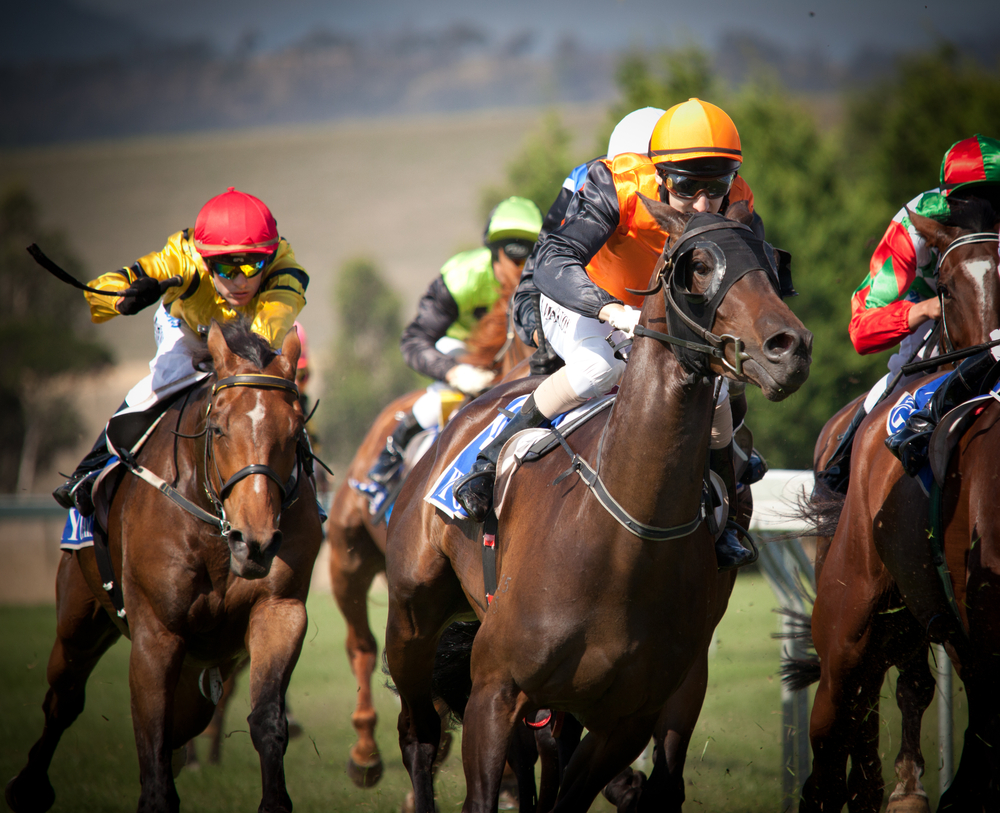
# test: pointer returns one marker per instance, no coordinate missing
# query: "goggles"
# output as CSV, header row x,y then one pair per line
x,y
687,187
229,267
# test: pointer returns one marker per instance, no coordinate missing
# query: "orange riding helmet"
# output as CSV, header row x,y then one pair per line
x,y
696,138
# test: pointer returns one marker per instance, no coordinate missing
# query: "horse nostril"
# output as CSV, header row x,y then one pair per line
x,y
781,345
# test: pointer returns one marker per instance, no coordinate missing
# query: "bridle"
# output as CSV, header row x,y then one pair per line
x,y
964,240
667,265
288,489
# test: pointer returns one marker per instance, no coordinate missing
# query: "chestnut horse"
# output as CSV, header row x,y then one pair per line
x,y
879,599
600,615
217,572
357,543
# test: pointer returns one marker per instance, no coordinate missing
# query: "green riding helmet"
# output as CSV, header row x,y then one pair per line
x,y
513,225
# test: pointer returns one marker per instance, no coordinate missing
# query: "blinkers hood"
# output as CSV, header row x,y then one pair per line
x,y
735,250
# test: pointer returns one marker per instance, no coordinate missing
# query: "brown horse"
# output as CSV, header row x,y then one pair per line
x,y
967,309
357,543
879,599
205,584
600,615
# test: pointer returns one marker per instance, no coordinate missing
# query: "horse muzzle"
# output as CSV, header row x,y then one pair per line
x,y
781,365
251,553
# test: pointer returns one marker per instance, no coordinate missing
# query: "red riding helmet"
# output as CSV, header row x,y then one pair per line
x,y
235,223
974,160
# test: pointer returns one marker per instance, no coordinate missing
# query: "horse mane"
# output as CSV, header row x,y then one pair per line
x,y
242,341
974,214
490,334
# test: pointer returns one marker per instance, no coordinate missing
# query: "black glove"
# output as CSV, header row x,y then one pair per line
x,y
142,293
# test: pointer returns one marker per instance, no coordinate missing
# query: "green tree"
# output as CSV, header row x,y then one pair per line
x,y
899,129
366,370
44,332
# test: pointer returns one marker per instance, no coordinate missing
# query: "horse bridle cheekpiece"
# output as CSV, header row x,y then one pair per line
x,y
288,490
736,251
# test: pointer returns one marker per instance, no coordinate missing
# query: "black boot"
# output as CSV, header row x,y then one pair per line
x,y
728,551
76,491
837,473
391,458
474,492
910,444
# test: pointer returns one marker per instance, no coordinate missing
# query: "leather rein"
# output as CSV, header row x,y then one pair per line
x,y
289,490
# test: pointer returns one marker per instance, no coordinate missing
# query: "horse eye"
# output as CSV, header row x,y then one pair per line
x,y
216,431
943,291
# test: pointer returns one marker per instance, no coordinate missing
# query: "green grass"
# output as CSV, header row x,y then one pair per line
x,y
734,763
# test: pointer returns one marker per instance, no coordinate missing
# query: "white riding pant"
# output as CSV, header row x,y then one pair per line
x,y
592,368
172,368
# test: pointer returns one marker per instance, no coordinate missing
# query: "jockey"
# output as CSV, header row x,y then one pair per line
x,y
608,243
233,263
897,302
631,134
465,290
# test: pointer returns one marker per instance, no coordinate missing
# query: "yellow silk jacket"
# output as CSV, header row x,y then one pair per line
x,y
282,292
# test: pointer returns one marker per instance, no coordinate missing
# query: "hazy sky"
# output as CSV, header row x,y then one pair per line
x,y
837,27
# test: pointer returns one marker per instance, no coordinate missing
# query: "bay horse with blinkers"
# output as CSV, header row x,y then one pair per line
x,y
602,612
216,573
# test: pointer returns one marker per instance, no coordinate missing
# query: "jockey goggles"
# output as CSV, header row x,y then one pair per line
x,y
228,268
687,187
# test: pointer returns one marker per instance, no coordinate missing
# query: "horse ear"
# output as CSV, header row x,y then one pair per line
x,y
670,220
740,212
217,346
936,234
291,347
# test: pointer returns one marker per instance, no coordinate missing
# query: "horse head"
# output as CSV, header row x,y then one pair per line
x,y
968,282
255,422
722,287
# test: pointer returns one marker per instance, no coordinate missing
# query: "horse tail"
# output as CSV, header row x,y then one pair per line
x,y
820,511
451,680
798,672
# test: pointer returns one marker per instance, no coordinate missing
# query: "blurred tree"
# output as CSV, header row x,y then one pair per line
x,y
538,170
366,368
898,130
43,330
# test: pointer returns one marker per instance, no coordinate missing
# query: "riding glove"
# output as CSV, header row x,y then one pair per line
x,y
142,293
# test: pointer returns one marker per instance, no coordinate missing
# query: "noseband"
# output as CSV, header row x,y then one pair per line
x,y
288,490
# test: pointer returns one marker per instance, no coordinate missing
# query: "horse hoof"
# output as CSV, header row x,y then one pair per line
x,y
364,776
910,803
16,799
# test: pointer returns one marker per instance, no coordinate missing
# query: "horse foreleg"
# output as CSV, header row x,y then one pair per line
x,y
155,665
274,640
354,561
914,692
84,632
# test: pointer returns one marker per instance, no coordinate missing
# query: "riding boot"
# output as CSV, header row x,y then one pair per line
x,y
474,492
838,471
390,460
728,551
76,491
911,443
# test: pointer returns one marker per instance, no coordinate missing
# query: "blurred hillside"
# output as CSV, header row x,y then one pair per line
x,y
71,73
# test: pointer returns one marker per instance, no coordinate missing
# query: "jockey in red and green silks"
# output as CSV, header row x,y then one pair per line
x,y
897,303
903,270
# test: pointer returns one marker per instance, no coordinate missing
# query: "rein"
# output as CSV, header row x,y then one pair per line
x,y
289,490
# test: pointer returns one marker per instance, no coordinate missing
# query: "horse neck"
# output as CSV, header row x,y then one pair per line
x,y
656,442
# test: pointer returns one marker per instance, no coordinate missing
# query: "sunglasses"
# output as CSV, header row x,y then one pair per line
x,y
684,186
250,267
